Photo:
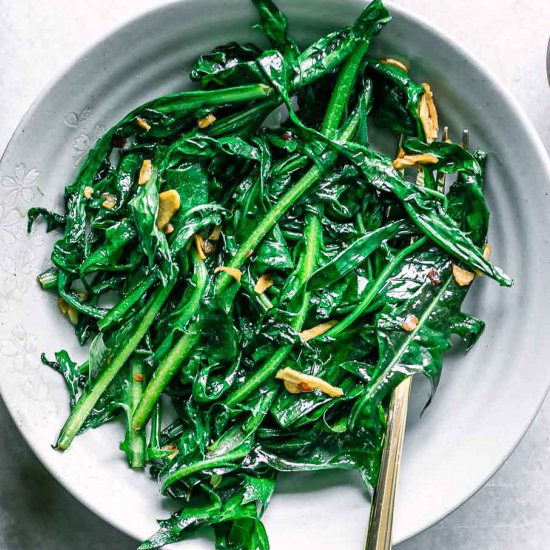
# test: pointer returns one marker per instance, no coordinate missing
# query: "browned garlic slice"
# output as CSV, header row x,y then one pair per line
x,y
461,276
298,382
216,233
67,310
109,201
395,63
486,254
410,323
317,330
263,283
199,244
427,113
206,121
143,124
410,161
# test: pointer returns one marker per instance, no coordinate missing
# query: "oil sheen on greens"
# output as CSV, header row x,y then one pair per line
x,y
189,354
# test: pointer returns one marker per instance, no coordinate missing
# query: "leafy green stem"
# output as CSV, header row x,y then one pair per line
x,y
135,442
342,90
375,386
212,462
374,289
48,278
162,376
286,201
87,402
117,313
307,267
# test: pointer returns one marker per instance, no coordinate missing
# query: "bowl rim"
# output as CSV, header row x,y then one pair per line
x,y
407,13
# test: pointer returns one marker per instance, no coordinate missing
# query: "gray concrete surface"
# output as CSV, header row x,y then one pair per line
x,y
38,39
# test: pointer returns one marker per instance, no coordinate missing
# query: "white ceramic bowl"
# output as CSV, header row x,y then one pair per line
x,y
486,400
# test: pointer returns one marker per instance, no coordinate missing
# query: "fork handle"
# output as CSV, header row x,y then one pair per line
x,y
379,536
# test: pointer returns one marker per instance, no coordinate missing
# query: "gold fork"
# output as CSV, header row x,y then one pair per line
x,y
379,535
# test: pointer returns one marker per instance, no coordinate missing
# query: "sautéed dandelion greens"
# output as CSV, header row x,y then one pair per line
x,y
273,282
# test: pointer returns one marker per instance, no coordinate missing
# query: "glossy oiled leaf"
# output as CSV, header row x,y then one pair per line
x,y
273,24
73,376
191,183
226,65
396,99
414,334
273,253
53,220
106,257
353,256
205,147
424,211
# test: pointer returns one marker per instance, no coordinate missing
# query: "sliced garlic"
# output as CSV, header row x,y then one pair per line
x,y
143,124
109,201
409,161
410,323
427,113
317,330
263,283
169,204
199,244
145,172
395,63
206,121
63,306
216,233
298,382
486,255
462,277
72,314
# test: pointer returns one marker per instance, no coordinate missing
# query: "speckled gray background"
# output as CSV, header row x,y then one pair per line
x,y
39,38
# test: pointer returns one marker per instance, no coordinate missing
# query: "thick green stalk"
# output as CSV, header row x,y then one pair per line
x,y
342,90
194,100
162,376
117,313
313,236
259,377
374,288
88,401
48,278
307,267
200,280
135,441
171,358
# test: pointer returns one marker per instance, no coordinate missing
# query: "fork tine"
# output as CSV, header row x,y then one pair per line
x,y
466,138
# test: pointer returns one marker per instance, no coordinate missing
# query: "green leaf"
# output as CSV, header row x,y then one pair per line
x,y
353,256
274,25
191,182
